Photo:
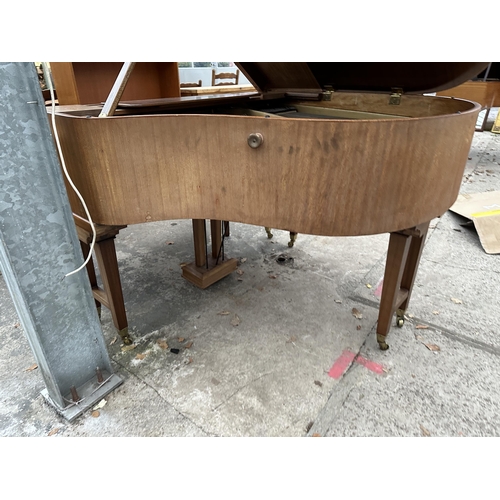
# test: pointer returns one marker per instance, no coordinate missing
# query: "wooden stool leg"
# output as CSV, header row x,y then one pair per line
x,y
91,273
399,246
108,266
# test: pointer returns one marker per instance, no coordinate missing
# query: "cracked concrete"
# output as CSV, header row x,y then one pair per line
x,y
268,375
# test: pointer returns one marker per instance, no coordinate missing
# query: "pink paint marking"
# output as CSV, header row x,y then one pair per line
x,y
371,365
378,290
341,365
344,361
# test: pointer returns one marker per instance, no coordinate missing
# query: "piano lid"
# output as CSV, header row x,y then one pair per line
x,y
411,77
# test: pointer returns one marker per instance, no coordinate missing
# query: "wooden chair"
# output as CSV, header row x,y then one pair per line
x,y
190,84
232,77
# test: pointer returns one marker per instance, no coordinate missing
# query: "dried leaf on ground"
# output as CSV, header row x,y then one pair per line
x,y
162,343
240,272
421,327
358,327
95,414
316,435
224,313
140,356
181,339
236,320
53,431
432,347
456,301
425,432
188,345
101,404
356,313
31,368
16,325
273,276
243,260
114,340
129,347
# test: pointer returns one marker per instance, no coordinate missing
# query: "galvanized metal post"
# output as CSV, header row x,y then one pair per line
x,y
39,246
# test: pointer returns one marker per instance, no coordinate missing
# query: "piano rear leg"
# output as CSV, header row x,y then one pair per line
x,y
403,257
293,236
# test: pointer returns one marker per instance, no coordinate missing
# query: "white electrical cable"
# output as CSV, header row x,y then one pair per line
x,y
48,77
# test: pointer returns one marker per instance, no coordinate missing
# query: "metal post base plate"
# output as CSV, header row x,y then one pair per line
x,y
90,394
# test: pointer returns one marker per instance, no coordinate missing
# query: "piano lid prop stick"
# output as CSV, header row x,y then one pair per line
x,y
115,95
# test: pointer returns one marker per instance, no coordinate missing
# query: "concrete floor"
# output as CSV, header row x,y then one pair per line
x,y
256,348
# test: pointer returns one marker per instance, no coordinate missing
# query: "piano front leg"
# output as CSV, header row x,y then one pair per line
x,y
403,258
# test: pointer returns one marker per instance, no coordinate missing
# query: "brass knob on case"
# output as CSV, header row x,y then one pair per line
x,y
255,140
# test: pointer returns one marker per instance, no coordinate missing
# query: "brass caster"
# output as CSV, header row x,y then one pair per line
x,y
381,342
127,340
400,318
268,231
293,238
383,346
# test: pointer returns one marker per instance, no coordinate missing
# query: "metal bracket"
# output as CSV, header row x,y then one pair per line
x,y
395,98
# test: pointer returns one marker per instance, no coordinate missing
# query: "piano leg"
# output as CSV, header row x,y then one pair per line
x,y
91,273
403,257
293,236
113,296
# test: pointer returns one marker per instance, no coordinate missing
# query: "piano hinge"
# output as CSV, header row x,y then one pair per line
x,y
395,96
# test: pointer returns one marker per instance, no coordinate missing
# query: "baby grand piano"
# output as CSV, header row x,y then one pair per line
x,y
332,149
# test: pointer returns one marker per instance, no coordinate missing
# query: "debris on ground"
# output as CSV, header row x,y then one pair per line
x,y
356,313
53,431
162,343
174,350
101,404
129,347
188,345
95,413
236,320
425,432
224,313
431,347
31,368
456,301
114,340
421,327
318,383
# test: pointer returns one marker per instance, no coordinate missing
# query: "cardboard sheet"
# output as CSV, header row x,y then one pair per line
x,y
484,210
